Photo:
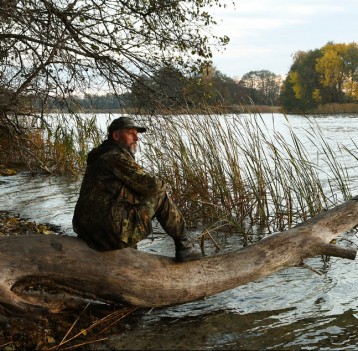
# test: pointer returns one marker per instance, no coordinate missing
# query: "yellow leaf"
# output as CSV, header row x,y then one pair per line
x,y
50,339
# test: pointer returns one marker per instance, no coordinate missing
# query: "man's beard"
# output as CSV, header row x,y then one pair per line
x,y
132,148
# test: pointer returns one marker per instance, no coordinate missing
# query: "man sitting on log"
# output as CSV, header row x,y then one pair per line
x,y
118,199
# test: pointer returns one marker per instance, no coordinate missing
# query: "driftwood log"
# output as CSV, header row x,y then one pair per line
x,y
67,265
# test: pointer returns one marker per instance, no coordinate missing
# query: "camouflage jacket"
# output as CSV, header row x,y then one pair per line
x,y
109,213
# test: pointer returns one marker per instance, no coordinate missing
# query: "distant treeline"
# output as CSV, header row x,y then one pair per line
x,y
317,77
168,88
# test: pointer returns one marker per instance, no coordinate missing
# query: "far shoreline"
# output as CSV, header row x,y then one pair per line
x,y
326,109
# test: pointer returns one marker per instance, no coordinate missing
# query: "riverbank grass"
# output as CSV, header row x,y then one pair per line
x,y
240,173
227,172
336,108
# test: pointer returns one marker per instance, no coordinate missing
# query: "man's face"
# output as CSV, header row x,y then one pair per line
x,y
127,138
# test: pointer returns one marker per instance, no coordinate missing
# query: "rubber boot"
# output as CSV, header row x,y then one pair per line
x,y
185,250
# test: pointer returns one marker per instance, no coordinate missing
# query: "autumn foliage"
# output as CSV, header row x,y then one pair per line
x,y
322,76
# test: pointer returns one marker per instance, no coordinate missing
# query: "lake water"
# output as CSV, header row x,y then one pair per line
x,y
292,309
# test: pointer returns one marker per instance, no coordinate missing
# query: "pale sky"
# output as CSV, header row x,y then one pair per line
x,y
264,34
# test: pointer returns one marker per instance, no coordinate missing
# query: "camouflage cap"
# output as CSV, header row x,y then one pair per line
x,y
124,123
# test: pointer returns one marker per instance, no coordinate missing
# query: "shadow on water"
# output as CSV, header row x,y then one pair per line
x,y
228,330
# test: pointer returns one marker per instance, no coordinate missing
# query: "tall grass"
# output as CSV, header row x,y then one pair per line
x,y
56,144
229,172
239,172
336,108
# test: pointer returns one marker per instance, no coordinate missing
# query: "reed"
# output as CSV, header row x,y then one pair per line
x,y
336,108
229,172
56,144
238,171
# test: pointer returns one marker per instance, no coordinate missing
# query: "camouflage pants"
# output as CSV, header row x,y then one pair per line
x,y
133,223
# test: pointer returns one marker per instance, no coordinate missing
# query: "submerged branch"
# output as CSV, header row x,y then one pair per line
x,y
337,251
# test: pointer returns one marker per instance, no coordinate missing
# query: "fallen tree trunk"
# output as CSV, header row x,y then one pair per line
x,y
128,276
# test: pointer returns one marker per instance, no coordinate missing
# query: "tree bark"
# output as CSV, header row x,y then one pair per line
x,y
67,265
